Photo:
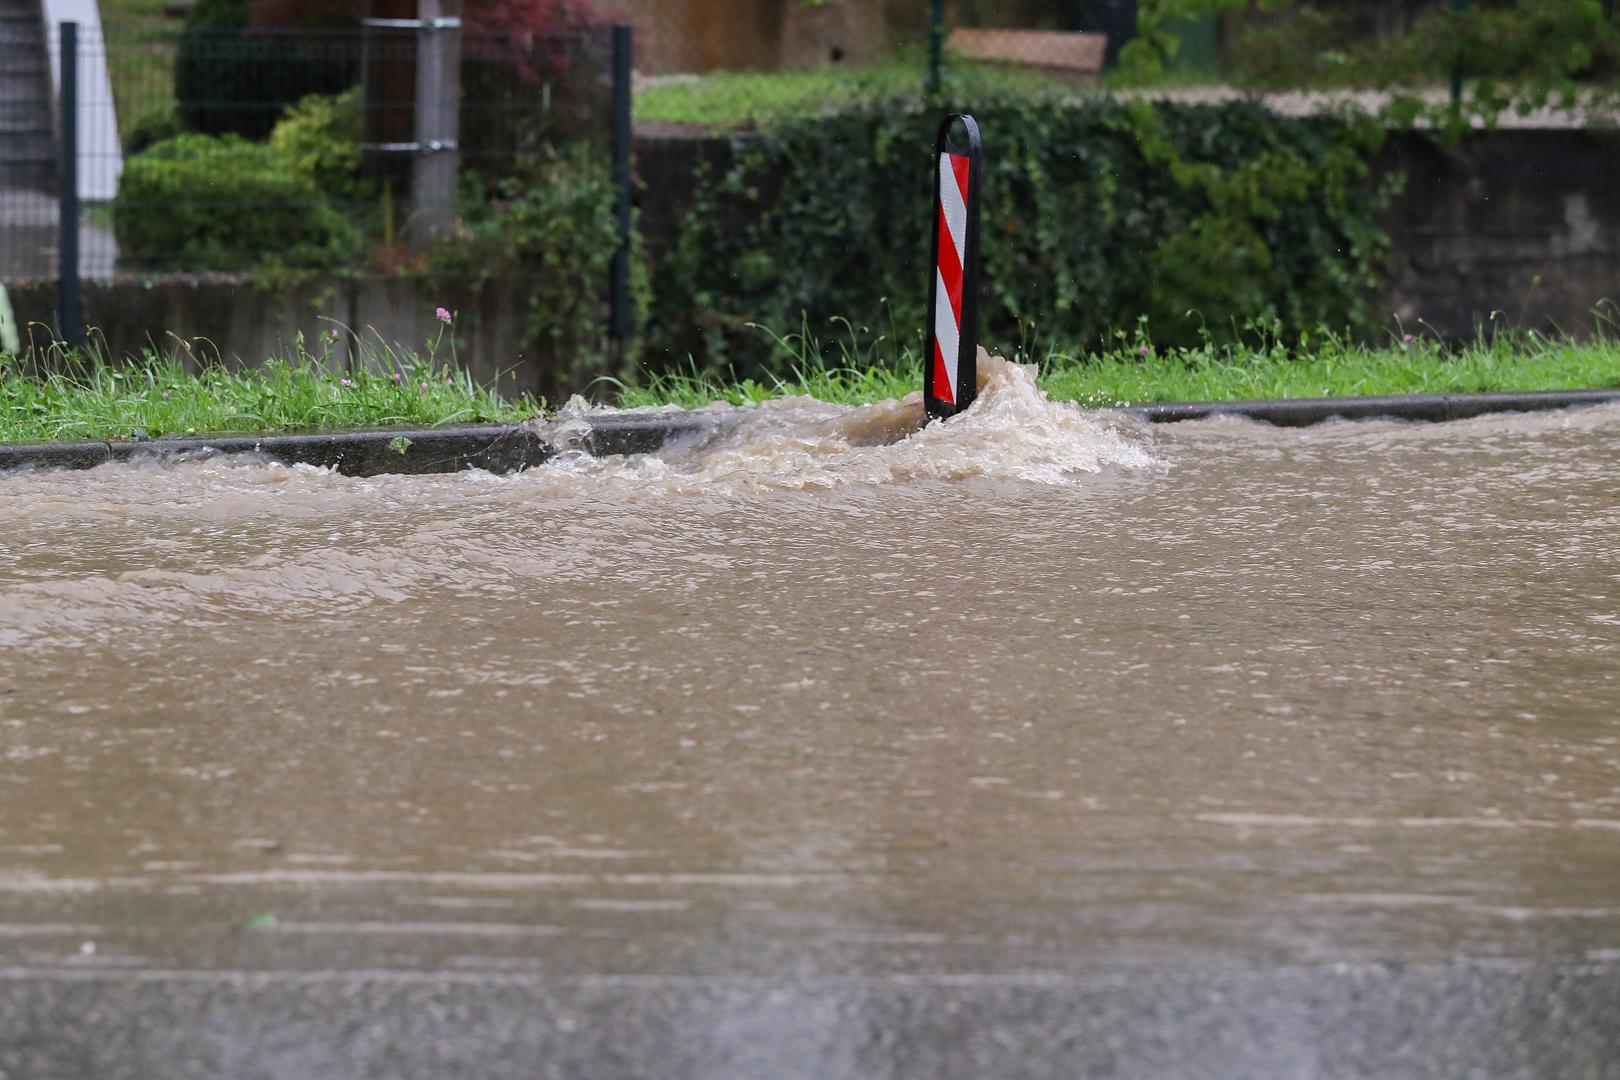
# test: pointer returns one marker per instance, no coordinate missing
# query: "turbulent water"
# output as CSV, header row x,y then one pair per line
x,y
821,692
1014,433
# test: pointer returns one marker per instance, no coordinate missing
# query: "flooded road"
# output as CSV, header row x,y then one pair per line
x,y
1033,695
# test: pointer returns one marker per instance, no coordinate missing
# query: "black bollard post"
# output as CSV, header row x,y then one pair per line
x,y
950,360
69,313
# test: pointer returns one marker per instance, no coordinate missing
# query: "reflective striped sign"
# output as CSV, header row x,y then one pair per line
x,y
952,346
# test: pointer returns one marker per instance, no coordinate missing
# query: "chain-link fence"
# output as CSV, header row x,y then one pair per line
x,y
202,147
220,150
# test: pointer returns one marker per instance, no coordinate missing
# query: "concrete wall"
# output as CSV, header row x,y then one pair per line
x,y
219,315
1522,226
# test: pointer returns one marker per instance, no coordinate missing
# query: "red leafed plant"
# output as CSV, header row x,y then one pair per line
x,y
509,48
521,32
517,33
303,14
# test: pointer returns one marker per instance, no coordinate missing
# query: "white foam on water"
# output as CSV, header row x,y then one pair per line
x,y
1013,431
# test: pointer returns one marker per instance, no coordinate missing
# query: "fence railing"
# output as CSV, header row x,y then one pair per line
x,y
202,149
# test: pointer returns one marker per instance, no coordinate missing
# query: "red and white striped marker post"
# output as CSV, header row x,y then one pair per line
x,y
951,375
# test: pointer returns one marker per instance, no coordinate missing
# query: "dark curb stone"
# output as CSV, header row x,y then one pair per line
x,y
1425,408
498,448
509,448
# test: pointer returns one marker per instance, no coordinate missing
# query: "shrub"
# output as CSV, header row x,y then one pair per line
x,y
532,70
320,138
234,77
196,202
1094,215
152,126
534,75
554,228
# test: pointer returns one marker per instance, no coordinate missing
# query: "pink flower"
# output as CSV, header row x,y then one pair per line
x,y
345,383
397,377
1406,339
443,315
424,388
332,333
1144,350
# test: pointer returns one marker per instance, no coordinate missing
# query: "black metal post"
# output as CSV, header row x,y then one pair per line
x,y
69,312
1459,8
936,47
619,304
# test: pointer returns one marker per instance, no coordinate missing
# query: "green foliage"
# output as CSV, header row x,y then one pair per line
x,y
1519,55
1131,369
87,398
200,203
320,139
151,127
231,77
1093,215
552,225
1146,56
748,97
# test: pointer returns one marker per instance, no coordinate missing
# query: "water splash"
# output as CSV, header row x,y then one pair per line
x,y
1013,431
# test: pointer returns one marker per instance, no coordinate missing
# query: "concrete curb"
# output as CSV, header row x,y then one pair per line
x,y
511,447
499,448
1423,408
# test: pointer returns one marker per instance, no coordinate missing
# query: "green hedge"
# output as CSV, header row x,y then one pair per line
x,y
553,226
232,78
1095,215
200,203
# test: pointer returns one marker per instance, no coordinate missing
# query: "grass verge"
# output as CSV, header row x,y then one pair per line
x,y
161,396
745,97
1135,372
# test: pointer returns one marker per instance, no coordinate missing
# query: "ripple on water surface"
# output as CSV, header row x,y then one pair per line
x,y
818,688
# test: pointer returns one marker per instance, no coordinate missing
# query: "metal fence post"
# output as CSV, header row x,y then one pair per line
x,y
1459,8
69,312
438,110
619,297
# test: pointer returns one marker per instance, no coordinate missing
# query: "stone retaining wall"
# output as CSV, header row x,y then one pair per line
x,y
1517,227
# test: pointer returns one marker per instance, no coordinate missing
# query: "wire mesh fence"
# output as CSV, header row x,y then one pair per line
x,y
207,150
234,148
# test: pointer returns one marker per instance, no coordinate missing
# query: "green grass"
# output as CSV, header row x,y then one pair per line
x,y
1134,371
141,42
1331,367
163,395
746,97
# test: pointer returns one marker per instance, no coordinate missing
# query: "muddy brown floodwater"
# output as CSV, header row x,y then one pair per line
x,y
1035,694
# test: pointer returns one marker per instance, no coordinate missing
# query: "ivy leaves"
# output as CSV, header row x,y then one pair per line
x,y
1095,214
